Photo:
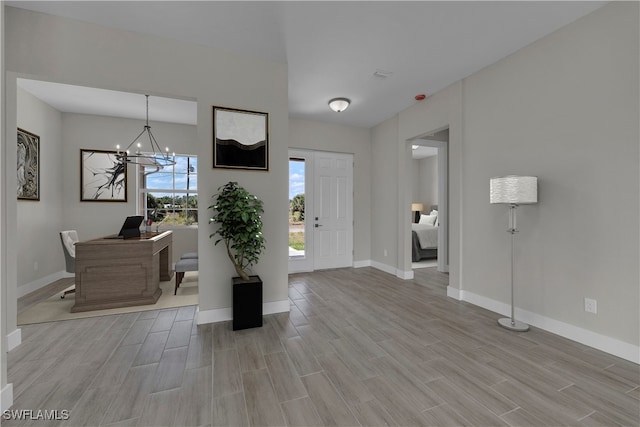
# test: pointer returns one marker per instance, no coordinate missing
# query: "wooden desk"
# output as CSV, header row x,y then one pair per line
x,y
113,273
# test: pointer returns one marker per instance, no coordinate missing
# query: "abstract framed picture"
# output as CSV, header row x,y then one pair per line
x,y
240,139
28,174
102,177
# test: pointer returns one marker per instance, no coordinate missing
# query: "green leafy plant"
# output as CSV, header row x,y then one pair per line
x,y
237,214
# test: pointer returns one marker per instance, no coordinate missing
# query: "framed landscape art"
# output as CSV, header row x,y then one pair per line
x,y
28,173
102,177
240,139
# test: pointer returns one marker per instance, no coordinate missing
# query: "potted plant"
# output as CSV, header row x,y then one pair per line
x,y
236,212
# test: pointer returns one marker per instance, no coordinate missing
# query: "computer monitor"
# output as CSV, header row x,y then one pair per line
x,y
131,227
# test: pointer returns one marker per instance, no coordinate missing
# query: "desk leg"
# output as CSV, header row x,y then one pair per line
x,y
166,255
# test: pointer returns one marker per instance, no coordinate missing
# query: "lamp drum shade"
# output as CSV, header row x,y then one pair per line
x,y
417,207
515,190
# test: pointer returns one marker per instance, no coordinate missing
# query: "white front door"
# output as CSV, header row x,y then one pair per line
x,y
321,232
332,218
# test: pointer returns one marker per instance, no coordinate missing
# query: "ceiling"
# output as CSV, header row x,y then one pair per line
x,y
334,48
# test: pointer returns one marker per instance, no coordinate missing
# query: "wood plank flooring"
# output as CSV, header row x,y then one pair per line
x,y
359,347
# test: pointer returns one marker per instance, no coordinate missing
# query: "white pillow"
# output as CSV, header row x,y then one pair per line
x,y
427,219
435,213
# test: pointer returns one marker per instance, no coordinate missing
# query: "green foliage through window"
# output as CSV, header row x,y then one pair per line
x,y
170,196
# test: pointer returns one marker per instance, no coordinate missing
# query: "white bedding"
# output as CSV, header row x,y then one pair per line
x,y
427,235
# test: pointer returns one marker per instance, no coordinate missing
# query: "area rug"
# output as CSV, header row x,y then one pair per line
x,y
54,308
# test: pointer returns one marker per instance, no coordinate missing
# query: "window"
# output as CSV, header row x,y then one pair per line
x,y
170,195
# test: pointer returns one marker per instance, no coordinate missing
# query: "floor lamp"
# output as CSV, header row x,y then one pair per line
x,y
513,191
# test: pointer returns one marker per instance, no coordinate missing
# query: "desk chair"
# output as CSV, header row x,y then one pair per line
x,y
69,239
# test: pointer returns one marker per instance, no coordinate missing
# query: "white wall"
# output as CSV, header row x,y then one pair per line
x,y
313,135
40,221
67,51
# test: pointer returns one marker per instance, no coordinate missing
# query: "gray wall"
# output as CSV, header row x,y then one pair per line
x,y
62,135
63,50
5,390
41,221
424,182
83,131
565,109
384,197
313,135
554,109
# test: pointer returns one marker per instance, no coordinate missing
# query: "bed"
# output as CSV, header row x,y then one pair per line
x,y
424,237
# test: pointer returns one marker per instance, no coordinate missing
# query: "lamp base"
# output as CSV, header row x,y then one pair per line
x,y
513,325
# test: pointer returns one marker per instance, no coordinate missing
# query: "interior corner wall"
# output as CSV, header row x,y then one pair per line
x,y
565,109
320,136
40,221
45,47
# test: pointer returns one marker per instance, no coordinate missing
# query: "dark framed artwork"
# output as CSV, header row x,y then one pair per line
x,y
28,173
102,177
240,139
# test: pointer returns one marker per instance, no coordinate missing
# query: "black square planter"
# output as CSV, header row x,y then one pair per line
x,y
247,303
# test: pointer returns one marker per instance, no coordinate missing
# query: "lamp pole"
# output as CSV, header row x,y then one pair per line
x,y
512,323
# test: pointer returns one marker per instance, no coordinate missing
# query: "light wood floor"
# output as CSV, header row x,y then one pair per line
x,y
359,347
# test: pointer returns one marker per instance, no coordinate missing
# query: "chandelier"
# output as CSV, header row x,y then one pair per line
x,y
154,158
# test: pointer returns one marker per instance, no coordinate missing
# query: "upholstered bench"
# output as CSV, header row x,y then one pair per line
x,y
182,266
190,255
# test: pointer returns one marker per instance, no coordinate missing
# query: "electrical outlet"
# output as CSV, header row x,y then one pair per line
x,y
590,305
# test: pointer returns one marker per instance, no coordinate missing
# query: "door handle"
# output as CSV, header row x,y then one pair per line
x,y
318,225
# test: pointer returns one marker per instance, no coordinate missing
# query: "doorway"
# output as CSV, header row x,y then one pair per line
x,y
431,192
320,210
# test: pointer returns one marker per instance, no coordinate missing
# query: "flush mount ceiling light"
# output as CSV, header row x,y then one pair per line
x,y
339,104
154,158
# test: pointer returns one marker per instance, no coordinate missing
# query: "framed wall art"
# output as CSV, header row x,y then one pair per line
x,y
102,177
240,139
28,165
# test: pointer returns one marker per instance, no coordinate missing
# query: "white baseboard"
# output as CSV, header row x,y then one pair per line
x,y
363,263
224,314
383,267
37,284
276,307
583,336
453,292
405,275
6,397
213,316
14,339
